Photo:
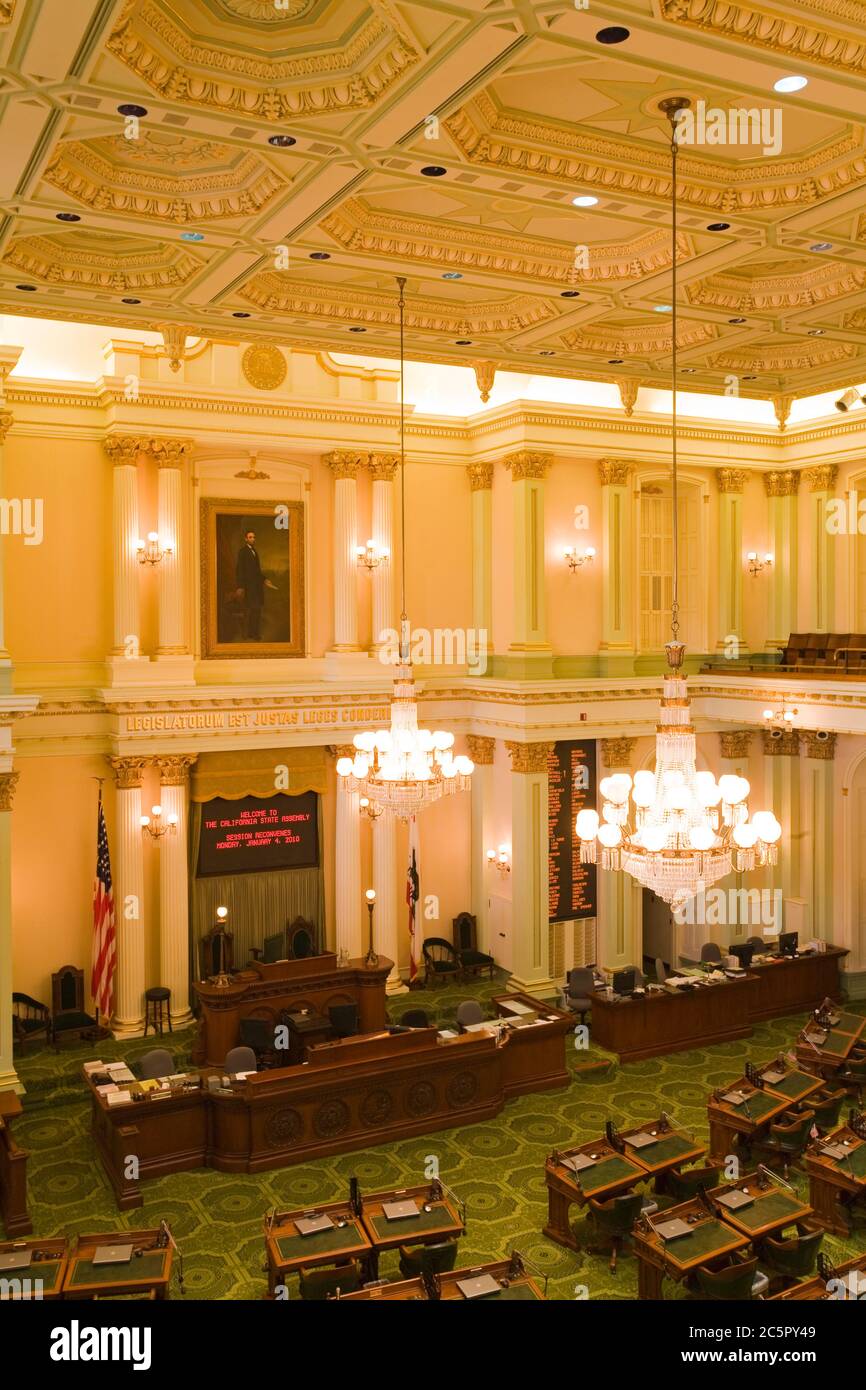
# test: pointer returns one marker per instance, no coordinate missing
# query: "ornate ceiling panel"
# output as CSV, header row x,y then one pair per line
x,y
277,176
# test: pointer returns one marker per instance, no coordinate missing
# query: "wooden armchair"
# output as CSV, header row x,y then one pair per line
x,y
441,961
30,1019
67,1006
471,959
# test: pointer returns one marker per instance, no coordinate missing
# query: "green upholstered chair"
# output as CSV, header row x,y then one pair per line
x,y
785,1141
612,1222
30,1019
795,1257
852,1075
827,1107
739,1280
687,1183
319,1284
416,1260
67,997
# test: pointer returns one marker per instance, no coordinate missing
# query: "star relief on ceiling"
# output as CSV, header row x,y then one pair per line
x,y
634,105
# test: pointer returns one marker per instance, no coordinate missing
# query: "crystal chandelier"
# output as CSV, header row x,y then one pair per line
x,y
683,830
404,768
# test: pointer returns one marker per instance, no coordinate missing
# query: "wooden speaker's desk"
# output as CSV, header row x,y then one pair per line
x,y
659,1022
13,1171
796,983
263,991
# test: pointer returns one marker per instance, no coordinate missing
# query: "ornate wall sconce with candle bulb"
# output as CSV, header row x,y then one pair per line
x,y
575,559
500,859
369,809
756,565
150,552
780,718
157,827
371,556
371,958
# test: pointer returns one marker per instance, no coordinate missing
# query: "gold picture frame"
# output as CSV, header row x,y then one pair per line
x,y
252,595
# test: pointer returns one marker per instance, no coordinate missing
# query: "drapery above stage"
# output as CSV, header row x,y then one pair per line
x,y
254,772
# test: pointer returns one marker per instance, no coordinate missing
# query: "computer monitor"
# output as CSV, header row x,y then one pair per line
x,y
788,943
623,981
743,952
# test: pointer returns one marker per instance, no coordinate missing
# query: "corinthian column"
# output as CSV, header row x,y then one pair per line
x,y
8,359
730,638
529,868
530,654
347,896
123,451
781,489
383,467
386,937
344,464
617,647
171,456
821,611
8,1076
128,877
174,887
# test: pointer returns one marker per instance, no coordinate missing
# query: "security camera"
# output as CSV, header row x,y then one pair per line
x,y
851,397
822,735
775,733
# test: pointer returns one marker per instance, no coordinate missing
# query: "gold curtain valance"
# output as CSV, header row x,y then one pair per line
x,y
254,772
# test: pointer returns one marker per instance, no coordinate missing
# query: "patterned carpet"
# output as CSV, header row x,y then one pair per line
x,y
496,1167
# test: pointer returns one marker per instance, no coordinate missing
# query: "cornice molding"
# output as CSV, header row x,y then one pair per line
x,y
777,32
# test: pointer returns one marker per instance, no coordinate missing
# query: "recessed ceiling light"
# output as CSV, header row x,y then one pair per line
x,y
31,289
357,330
822,246
750,378
615,361
718,226
586,200
282,142
320,255
790,84
130,301
690,370
463,342
240,314
817,332
736,320
452,275
433,171
569,294
67,217
130,109
614,33
547,352
192,236
663,308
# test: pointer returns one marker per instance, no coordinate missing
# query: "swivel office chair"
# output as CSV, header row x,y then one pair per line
x,y
470,1011
240,1059
158,1062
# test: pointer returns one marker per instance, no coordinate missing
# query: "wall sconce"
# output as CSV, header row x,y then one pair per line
x,y
158,827
369,808
756,565
500,859
575,560
371,556
150,552
780,718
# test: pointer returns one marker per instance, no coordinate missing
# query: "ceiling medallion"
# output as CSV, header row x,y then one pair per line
x,y
264,367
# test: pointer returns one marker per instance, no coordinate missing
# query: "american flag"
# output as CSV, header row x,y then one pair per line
x,y
412,892
103,962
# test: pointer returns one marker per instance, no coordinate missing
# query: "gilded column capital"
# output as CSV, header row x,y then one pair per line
x,y
342,750
168,453
481,749
819,744
174,768
344,463
5,423
782,482
731,479
124,449
480,476
821,478
617,752
128,772
527,464
383,467
614,472
529,757
781,743
8,783
736,743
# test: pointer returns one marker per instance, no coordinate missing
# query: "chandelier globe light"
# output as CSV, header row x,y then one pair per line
x,y
676,830
404,769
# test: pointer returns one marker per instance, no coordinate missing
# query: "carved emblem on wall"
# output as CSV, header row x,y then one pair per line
x,y
331,1119
421,1098
377,1107
264,366
462,1088
283,1127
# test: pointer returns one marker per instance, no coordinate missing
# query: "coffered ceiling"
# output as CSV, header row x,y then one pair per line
x,y
193,218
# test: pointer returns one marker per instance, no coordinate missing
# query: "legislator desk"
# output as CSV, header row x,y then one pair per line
x,y
360,1230
41,1271
264,991
770,1210
613,1168
147,1272
673,1020
738,1111
13,1171
836,1181
842,1284
790,984
350,1093
515,1284
827,1050
711,1239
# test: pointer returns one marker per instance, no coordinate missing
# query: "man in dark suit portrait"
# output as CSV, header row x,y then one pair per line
x,y
251,586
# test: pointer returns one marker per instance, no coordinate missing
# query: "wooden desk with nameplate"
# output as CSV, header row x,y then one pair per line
x,y
13,1171
147,1271
708,1240
37,1270
826,1050
738,1111
836,1165
510,1281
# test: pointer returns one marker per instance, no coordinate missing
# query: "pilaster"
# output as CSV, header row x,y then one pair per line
x,y
731,633
481,750
173,850
782,486
617,646
821,608
530,653
529,868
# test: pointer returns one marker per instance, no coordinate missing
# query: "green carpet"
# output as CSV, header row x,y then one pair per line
x,y
496,1167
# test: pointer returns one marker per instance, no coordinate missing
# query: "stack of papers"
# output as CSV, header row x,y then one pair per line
x,y
116,1097
119,1071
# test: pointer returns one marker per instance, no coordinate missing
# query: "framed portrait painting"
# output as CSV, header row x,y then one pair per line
x,y
252,578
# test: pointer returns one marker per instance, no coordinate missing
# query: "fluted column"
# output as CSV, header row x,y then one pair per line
x,y
8,359
8,1076
481,483
344,464
347,866
173,853
781,487
171,456
123,451
818,842
128,880
617,646
482,750
529,651
731,482
821,610
529,868
385,929
619,926
383,468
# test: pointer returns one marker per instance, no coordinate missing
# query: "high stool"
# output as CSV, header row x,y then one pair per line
x,y
155,1000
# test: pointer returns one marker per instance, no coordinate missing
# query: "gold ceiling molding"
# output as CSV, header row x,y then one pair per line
x,y
61,262
527,463
248,82
480,476
789,34
529,757
639,339
821,285
735,743
265,11
821,478
92,179
782,482
820,745
731,479
264,366
784,356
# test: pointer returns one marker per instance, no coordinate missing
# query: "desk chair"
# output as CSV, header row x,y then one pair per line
x,y
710,951
684,1185
30,1019
258,1034
852,1076
240,1059
344,1020
639,976
785,1142
470,1011
272,949
827,1108
416,1260
441,961
318,1284
661,970
792,1259
578,988
464,933
757,941
613,1222
415,1018
739,1280
158,1062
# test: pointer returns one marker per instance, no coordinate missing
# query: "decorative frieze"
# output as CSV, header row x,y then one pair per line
x,y
8,783
617,752
735,743
731,479
821,478
528,464
782,482
481,749
781,743
819,744
529,757
614,472
480,476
